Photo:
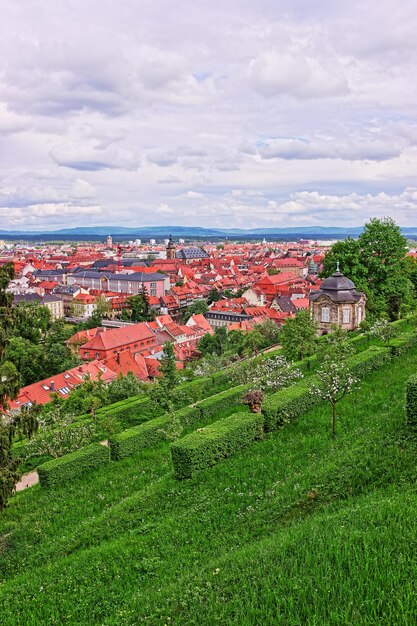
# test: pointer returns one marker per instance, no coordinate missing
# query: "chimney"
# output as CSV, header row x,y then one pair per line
x,y
80,368
52,385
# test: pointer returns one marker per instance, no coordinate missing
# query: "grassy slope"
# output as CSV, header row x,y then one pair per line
x,y
297,529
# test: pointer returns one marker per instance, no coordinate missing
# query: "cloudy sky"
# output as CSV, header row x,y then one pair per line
x,y
234,113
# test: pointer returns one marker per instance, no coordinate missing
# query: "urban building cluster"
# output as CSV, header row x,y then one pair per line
x,y
251,282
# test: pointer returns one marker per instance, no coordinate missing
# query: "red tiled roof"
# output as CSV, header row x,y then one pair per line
x,y
119,337
41,392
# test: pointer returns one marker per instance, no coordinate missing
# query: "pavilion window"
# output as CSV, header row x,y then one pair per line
x,y
346,316
325,314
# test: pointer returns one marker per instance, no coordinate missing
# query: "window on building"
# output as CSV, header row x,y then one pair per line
x,y
97,355
360,314
153,285
153,292
64,391
346,316
86,353
325,314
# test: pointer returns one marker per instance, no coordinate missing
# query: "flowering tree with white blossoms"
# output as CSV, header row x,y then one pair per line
x,y
59,433
383,330
268,375
335,381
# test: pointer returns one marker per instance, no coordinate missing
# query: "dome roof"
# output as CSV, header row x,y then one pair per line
x,y
338,288
337,282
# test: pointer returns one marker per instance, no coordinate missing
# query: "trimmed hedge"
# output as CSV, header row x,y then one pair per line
x,y
402,343
363,363
287,404
411,402
146,435
60,471
207,446
132,411
222,402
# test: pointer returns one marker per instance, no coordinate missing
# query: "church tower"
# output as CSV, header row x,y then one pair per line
x,y
170,249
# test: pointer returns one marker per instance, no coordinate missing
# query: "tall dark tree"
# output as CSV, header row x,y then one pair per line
x,y
213,295
346,254
197,307
376,262
139,306
298,336
9,388
168,367
6,305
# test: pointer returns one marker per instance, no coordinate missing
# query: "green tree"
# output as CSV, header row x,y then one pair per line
x,y
59,434
162,389
382,252
6,305
213,295
10,383
59,358
334,382
270,332
376,263
346,253
31,321
168,366
124,387
272,271
298,336
29,359
196,308
139,306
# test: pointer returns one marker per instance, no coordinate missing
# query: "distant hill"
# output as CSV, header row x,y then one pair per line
x,y
309,232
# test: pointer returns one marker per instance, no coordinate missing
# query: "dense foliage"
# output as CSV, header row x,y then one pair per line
x,y
377,264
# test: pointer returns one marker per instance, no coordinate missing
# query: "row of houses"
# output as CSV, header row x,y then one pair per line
x,y
107,353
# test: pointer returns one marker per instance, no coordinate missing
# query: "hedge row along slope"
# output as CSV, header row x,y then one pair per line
x,y
209,445
60,471
279,408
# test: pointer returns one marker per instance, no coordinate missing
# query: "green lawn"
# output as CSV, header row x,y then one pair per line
x,y
296,529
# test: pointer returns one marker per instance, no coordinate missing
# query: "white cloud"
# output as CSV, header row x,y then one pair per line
x,y
245,106
82,189
11,122
194,195
300,75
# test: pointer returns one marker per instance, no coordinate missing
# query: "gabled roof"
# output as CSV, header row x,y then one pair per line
x,y
62,384
112,339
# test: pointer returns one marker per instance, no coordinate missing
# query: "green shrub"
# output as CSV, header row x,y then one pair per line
x,y
402,343
60,471
191,392
207,446
411,401
373,358
360,341
147,434
405,323
285,405
132,411
220,381
222,402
